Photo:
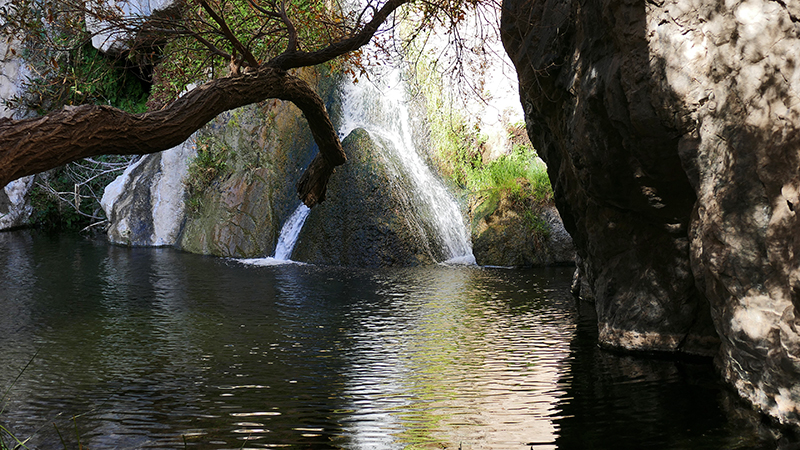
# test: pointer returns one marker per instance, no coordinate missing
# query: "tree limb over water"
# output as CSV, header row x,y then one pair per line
x,y
34,145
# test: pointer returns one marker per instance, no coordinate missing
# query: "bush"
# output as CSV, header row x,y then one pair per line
x,y
209,164
79,76
68,198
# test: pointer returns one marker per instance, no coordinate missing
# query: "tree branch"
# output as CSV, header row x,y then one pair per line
x,y
291,46
293,59
226,31
34,145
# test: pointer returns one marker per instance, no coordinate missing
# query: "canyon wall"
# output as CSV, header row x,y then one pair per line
x,y
670,130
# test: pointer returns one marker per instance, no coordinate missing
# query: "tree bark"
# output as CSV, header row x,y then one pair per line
x,y
35,145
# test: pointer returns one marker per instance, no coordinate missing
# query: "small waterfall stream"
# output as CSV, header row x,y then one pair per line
x,y
286,240
289,232
382,111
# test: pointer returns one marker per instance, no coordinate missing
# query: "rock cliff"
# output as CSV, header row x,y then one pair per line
x,y
670,130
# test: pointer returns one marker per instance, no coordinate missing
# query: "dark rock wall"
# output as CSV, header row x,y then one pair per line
x,y
670,129
617,177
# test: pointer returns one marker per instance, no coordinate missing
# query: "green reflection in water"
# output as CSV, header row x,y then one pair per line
x,y
473,373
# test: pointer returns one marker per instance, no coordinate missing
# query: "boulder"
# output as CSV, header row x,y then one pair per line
x,y
671,134
514,235
15,208
145,205
368,218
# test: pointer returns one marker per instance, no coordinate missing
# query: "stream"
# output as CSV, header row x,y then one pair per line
x,y
132,348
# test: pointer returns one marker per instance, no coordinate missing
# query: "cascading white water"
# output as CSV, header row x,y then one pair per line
x,y
289,233
286,240
382,112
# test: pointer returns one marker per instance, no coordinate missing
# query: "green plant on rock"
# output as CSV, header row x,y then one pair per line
x,y
209,165
80,74
521,179
520,173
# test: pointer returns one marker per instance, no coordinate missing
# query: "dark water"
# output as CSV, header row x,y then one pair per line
x,y
153,348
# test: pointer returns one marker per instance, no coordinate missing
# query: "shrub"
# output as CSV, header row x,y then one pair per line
x,y
209,164
68,198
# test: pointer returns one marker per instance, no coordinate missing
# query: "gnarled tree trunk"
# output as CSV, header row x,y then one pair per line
x,y
35,145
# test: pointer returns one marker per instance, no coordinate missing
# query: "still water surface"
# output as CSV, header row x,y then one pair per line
x,y
154,348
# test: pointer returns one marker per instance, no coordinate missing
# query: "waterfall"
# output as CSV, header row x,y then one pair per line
x,y
286,240
382,111
289,232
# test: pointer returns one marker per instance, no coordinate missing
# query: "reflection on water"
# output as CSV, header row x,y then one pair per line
x,y
152,348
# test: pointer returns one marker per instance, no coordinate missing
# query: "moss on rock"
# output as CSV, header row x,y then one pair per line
x,y
367,218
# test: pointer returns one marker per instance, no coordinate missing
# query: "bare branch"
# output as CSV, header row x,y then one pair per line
x,y
264,11
294,59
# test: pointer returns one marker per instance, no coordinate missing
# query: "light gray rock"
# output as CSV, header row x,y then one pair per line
x,y
145,205
107,37
15,209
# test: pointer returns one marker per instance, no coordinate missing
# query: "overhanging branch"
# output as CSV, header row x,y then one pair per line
x,y
35,145
293,59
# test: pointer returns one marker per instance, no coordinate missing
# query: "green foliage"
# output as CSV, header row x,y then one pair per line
x,y
82,75
209,165
50,211
187,58
65,69
521,174
457,145
520,178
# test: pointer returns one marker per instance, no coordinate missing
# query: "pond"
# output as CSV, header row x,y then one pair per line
x,y
112,347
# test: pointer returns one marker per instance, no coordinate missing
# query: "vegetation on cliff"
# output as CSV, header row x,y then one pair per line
x,y
507,193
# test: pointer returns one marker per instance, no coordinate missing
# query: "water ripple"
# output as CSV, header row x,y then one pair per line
x,y
153,348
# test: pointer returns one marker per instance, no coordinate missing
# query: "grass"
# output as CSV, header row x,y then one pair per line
x,y
7,438
520,178
521,173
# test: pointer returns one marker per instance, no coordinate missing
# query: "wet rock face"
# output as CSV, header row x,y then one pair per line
x,y
238,219
670,130
618,181
366,219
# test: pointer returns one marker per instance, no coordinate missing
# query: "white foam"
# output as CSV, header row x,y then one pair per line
x,y
266,262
